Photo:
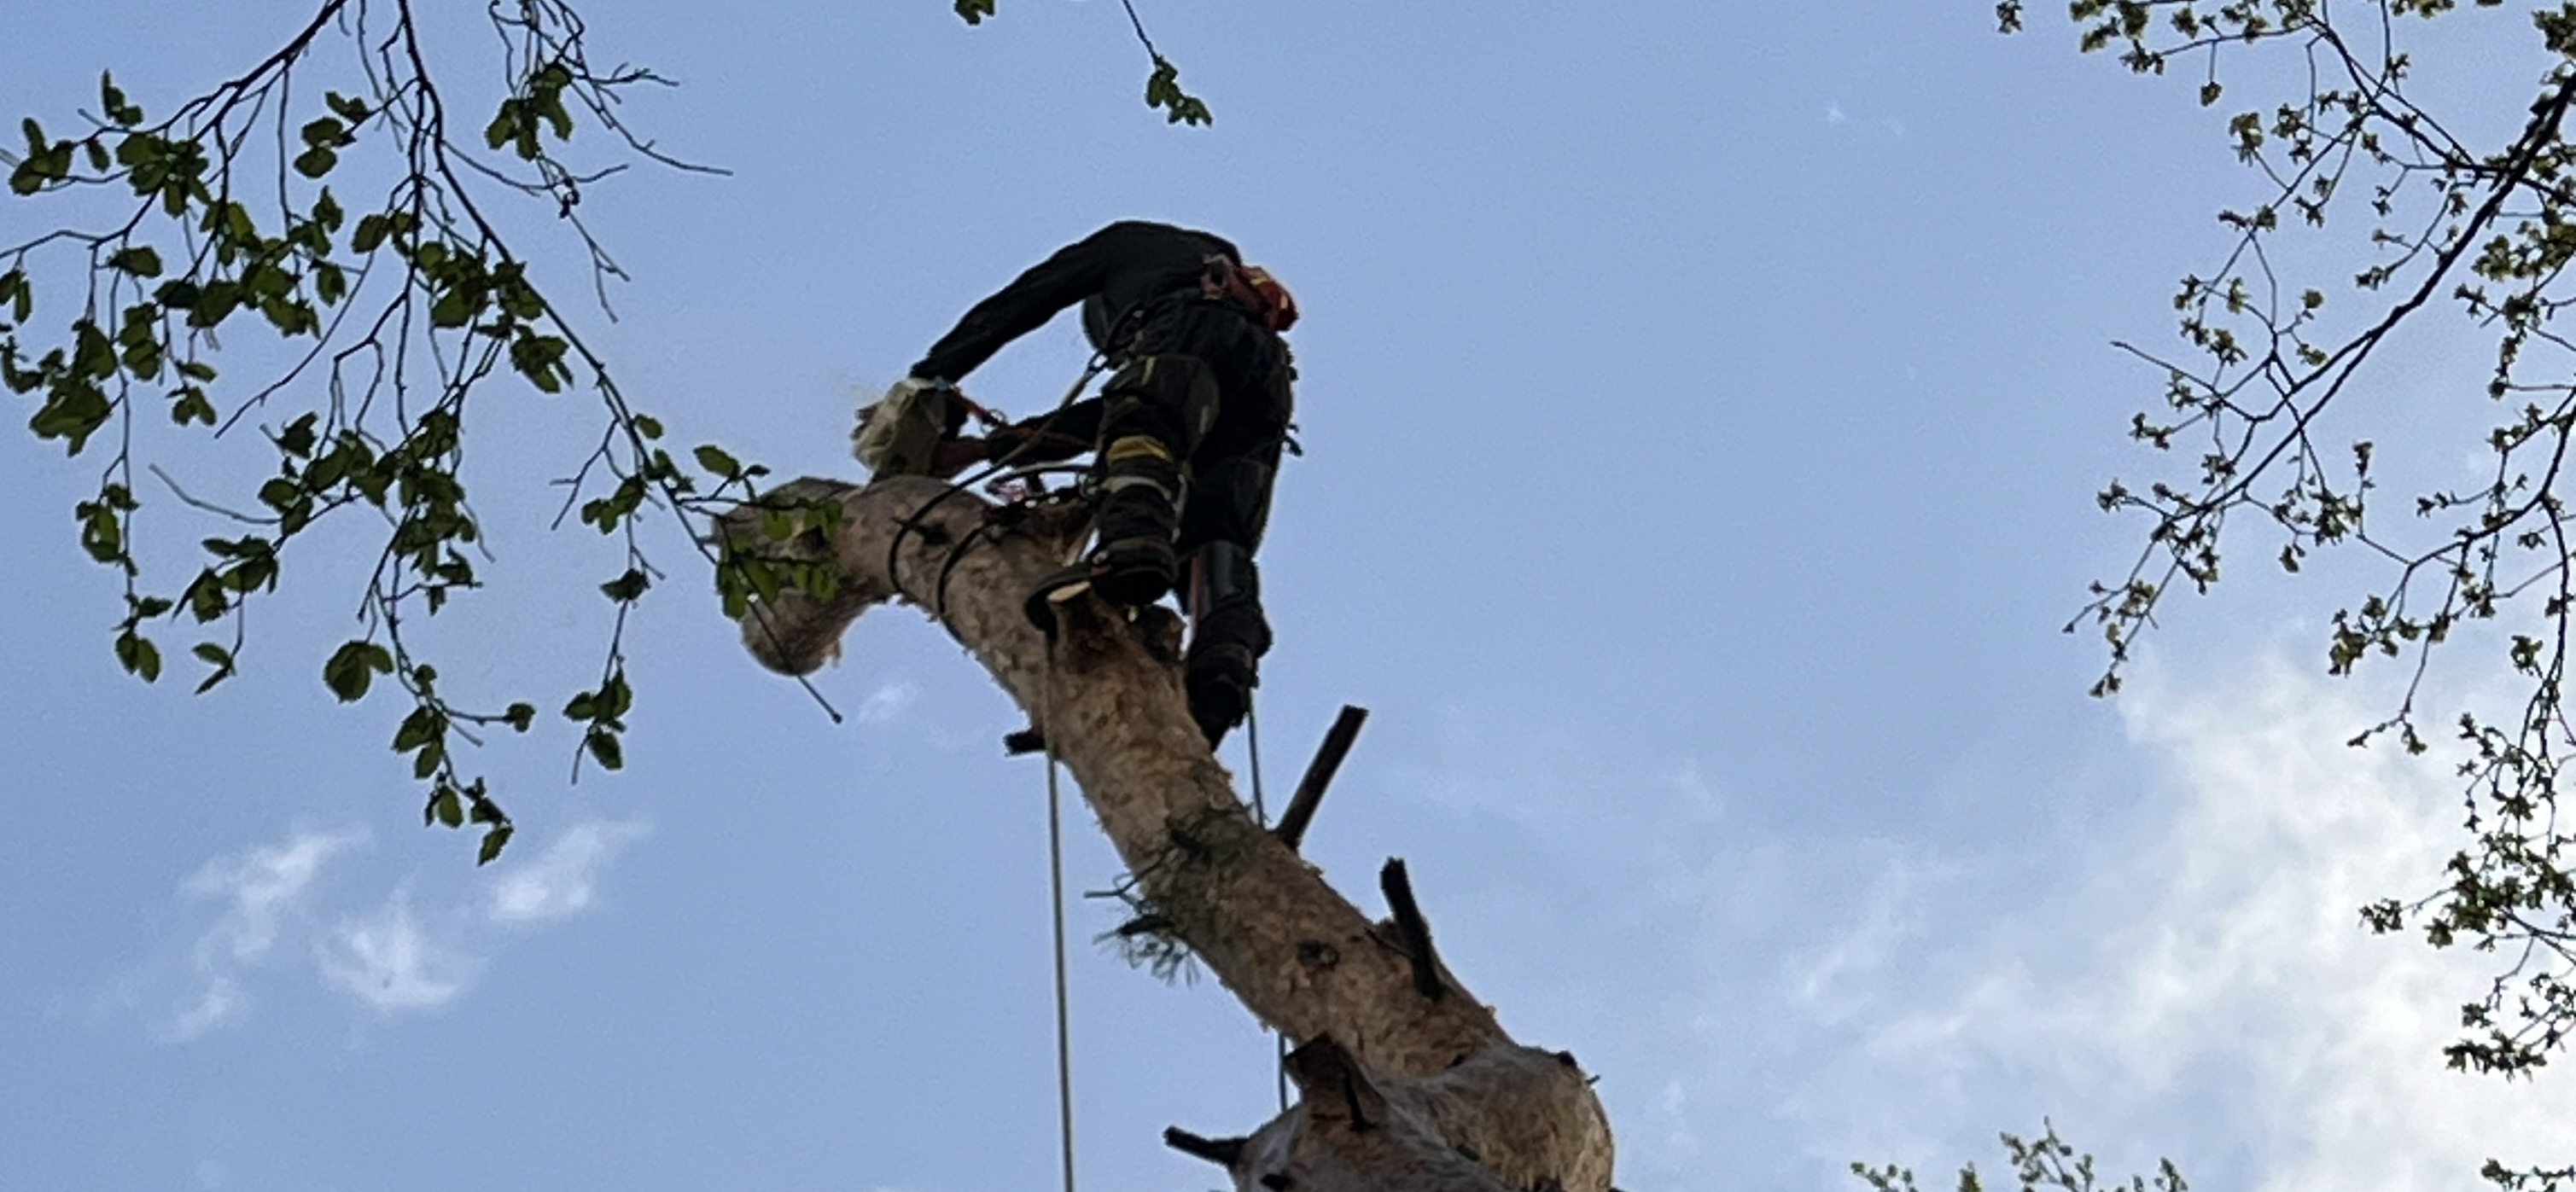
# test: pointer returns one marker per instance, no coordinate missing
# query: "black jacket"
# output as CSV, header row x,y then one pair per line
x,y
1110,272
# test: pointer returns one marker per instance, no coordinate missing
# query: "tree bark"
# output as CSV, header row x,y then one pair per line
x,y
1407,1083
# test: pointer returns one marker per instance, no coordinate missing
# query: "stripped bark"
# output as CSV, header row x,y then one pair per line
x,y
1407,1082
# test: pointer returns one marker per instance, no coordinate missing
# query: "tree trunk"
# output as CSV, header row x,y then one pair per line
x,y
1407,1083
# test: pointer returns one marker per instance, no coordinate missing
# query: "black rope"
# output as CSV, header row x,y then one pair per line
x,y
911,524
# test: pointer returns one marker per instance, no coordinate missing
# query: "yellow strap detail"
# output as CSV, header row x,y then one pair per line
x,y
1137,447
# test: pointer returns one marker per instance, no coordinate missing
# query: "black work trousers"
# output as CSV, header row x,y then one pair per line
x,y
1229,467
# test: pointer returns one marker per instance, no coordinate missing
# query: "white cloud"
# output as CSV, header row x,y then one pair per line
x,y
2207,990
260,887
220,1002
388,962
259,892
563,879
888,701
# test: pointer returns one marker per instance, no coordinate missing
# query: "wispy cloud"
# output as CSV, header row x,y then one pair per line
x,y
389,962
1836,115
888,701
273,916
260,893
2206,988
562,880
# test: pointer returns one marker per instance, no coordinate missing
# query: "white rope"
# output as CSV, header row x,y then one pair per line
x,y
1252,742
1063,1014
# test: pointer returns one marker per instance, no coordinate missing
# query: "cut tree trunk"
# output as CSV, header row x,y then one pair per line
x,y
1407,1083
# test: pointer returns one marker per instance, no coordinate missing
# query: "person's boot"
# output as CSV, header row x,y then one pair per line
x,y
1228,636
1219,680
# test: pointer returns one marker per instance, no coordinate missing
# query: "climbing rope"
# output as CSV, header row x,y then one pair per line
x,y
1055,900
1063,1003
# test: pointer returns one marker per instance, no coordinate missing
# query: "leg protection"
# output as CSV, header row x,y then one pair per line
x,y
1156,410
1228,636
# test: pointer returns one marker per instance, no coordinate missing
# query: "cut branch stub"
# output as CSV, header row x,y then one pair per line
x,y
1415,930
1319,774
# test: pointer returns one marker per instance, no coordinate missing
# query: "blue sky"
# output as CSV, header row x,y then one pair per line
x,y
1703,407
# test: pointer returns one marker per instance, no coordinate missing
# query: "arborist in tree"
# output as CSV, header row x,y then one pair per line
x,y
1189,429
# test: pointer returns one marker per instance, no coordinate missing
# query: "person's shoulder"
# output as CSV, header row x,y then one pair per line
x,y
1147,229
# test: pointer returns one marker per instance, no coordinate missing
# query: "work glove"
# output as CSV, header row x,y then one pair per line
x,y
900,433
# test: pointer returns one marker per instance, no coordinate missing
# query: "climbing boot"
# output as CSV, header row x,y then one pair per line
x,y
1219,680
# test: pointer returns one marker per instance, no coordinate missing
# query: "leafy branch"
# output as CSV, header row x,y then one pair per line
x,y
2261,379
1162,85
392,319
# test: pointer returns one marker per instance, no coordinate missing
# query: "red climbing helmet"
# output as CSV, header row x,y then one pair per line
x,y
1252,290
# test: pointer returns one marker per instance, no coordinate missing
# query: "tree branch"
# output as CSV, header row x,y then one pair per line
x,y
1465,1107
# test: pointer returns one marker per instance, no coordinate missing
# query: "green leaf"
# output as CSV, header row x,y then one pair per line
x,y
297,438
520,716
192,406
73,411
494,840
353,666
102,534
445,807
352,110
628,587
423,726
1163,90
974,10
455,308
219,674
138,655
113,104
504,126
604,746
316,161
371,232
540,359
139,260
716,461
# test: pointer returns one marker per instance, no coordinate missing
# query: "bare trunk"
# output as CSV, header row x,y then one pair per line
x,y
1407,1083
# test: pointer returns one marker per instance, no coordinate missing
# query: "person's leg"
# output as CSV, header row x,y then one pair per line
x,y
1155,412
1230,483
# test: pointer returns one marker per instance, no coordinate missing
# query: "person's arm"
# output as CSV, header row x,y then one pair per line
x,y
1049,437
1074,273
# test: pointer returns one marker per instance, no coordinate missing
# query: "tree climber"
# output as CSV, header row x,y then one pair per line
x,y
1188,431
